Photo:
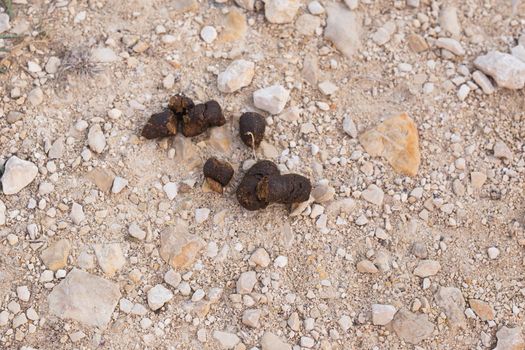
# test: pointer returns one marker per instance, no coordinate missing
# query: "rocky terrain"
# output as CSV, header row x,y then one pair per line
x,y
407,116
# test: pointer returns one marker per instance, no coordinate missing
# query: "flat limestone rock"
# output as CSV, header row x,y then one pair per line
x,y
510,339
412,328
507,70
84,298
343,29
451,301
396,139
178,247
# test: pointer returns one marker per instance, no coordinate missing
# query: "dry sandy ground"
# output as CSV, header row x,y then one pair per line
x,y
319,298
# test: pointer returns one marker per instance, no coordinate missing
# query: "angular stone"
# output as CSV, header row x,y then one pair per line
x,y
77,214
366,266
383,34
57,149
484,311
484,82
236,76
110,257
158,296
427,268
84,298
260,257
382,314
412,328
55,255
178,247
373,194
417,43
271,99
395,139
323,193
349,127
505,69
270,341
226,340
281,11
246,282
343,29
35,96
451,301
502,151
119,184
251,318
509,339
18,174
102,178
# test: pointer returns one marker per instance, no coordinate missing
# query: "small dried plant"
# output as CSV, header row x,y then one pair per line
x,y
78,61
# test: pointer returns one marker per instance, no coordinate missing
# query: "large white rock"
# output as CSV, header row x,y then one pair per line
x,y
382,314
281,11
110,257
343,29
18,173
158,296
271,99
507,70
238,75
84,298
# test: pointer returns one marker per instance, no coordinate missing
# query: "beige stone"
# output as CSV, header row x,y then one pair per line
x,y
84,298
55,255
235,27
484,311
178,247
396,139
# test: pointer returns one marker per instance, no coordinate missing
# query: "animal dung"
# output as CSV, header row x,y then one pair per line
x,y
263,184
217,173
201,117
285,189
251,129
180,104
161,124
